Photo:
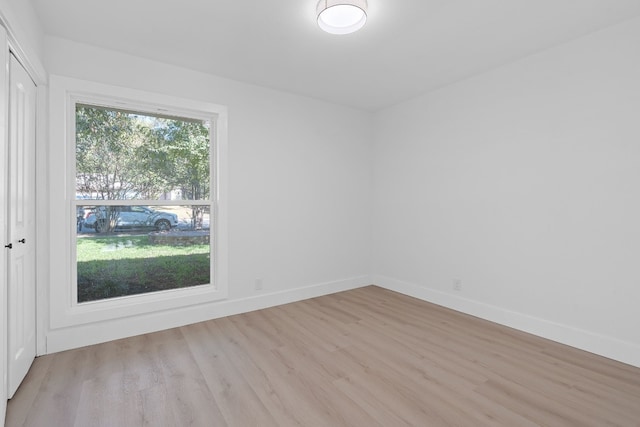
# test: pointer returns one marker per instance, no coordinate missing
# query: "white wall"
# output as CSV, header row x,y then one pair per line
x,y
299,183
520,182
524,183
24,26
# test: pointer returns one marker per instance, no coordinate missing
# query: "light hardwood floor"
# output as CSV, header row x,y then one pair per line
x,y
367,357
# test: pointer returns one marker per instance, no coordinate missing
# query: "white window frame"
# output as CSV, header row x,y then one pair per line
x,y
65,310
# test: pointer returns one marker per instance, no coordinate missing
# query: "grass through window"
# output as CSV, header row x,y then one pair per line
x,y
113,266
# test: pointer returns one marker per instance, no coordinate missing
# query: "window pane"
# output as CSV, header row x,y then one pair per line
x,y
124,155
127,250
140,159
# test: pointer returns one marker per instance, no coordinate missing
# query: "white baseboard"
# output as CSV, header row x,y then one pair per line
x,y
95,333
612,348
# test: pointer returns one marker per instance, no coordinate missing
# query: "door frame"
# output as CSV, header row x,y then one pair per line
x,y
31,62
4,146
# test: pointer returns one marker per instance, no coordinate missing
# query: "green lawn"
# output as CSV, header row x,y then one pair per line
x,y
113,266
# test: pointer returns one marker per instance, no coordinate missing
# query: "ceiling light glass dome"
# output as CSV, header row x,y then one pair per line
x,y
341,16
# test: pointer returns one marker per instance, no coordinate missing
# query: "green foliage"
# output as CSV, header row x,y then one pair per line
x,y
106,145
121,155
183,147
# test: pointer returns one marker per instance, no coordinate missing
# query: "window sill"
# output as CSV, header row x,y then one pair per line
x,y
132,305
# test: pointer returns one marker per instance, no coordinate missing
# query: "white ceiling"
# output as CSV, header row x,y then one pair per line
x,y
406,48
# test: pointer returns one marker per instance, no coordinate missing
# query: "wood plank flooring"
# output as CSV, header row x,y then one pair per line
x,y
367,357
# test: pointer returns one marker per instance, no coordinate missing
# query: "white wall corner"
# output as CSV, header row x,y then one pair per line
x,y
25,37
622,351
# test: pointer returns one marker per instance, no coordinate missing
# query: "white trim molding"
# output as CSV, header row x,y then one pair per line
x,y
95,333
609,347
4,161
104,315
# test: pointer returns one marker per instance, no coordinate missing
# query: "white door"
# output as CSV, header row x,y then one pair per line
x,y
21,297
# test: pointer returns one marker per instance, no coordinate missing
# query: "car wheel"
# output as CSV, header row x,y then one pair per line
x,y
163,225
101,226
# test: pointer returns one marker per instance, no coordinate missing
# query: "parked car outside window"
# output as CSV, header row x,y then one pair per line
x,y
130,217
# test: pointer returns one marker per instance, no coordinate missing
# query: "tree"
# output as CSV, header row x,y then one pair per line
x,y
110,155
121,156
182,151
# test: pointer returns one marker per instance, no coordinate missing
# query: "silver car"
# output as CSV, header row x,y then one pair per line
x,y
130,217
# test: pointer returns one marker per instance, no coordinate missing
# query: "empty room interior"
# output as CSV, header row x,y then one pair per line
x,y
320,213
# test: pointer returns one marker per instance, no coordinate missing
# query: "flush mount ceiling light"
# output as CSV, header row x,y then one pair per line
x,y
341,16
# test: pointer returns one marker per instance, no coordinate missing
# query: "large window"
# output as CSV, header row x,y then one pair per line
x,y
143,186
137,231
